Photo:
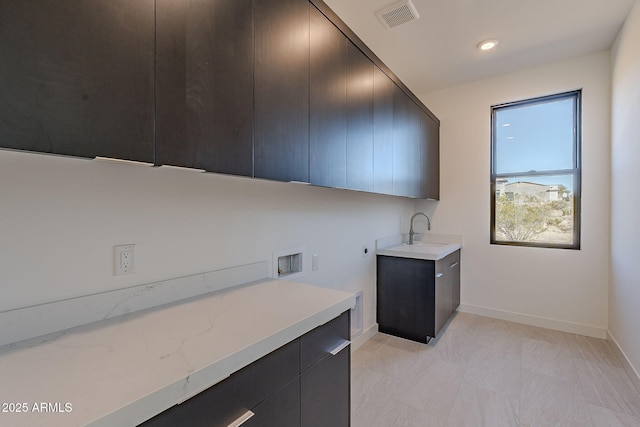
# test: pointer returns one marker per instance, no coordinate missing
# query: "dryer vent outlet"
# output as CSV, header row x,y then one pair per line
x,y
397,14
288,264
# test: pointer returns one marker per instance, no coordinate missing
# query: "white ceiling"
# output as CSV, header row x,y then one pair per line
x,y
439,49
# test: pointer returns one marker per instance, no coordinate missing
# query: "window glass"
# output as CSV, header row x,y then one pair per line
x,y
535,173
535,137
535,209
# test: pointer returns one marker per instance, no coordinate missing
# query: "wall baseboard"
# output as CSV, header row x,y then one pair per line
x,y
543,322
364,337
631,371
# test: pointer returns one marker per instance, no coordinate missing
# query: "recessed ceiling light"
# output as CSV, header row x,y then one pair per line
x,y
487,44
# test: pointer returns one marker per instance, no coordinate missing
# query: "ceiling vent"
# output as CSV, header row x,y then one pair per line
x,y
397,14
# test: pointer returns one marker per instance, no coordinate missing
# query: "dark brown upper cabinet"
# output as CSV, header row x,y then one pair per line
x,y
275,89
407,141
359,120
328,103
430,158
205,85
77,77
281,128
382,132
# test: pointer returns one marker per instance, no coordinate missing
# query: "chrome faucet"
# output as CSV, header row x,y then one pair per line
x,y
413,233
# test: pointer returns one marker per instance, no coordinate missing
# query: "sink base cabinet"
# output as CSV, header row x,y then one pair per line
x,y
299,384
406,297
416,297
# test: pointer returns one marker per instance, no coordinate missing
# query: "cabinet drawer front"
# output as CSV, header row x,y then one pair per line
x,y
281,409
224,402
324,339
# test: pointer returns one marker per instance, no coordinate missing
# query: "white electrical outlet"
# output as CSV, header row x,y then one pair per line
x,y
315,262
124,259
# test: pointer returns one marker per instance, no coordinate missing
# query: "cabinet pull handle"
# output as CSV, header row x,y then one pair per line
x,y
454,265
339,348
439,275
242,419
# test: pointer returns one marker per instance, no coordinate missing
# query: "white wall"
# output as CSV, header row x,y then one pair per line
x,y
60,217
624,291
556,288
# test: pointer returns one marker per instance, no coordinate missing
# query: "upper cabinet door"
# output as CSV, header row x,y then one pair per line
x,y
382,132
281,129
359,120
430,154
77,77
328,118
205,85
407,141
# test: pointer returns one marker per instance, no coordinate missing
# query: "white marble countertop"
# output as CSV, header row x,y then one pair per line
x,y
429,247
124,370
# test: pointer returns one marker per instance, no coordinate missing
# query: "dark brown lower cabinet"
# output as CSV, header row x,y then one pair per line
x,y
304,383
416,297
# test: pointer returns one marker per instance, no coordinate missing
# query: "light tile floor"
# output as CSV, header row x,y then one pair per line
x,y
488,372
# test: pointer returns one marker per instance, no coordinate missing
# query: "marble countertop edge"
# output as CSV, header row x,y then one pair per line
x,y
196,382
140,364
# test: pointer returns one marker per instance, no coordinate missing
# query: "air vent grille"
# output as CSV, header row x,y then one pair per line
x,y
397,14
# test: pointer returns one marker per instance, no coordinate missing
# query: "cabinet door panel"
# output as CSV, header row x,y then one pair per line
x,y
406,297
454,267
359,120
282,90
282,409
430,158
407,139
382,133
77,77
205,85
328,143
444,293
326,392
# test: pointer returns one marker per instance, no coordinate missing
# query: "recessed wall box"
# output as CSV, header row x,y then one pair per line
x,y
356,317
288,264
